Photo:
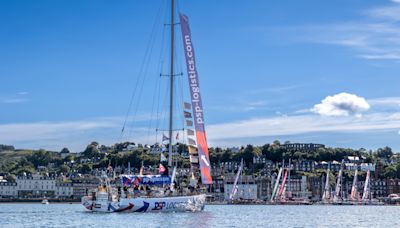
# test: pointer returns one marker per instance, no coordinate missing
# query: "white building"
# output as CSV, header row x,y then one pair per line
x,y
36,186
367,166
8,189
64,189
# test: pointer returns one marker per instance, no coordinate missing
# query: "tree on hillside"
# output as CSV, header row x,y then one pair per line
x,y
385,152
64,169
91,151
40,158
85,168
65,151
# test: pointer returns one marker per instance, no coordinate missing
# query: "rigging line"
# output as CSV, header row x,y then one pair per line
x,y
139,76
144,66
152,110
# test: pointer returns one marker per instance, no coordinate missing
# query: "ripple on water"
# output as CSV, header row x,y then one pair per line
x,y
74,215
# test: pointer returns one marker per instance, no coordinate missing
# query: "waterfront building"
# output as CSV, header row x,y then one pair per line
x,y
8,189
393,186
64,189
315,185
379,188
246,187
36,186
81,186
264,187
297,187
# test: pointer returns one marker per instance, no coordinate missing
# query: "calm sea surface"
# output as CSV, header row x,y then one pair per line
x,y
74,215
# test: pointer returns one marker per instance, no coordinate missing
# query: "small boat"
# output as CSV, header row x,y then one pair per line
x,y
45,201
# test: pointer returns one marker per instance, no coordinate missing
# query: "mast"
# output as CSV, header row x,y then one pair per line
x,y
171,84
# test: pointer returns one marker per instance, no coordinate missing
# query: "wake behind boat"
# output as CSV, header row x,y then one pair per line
x,y
161,192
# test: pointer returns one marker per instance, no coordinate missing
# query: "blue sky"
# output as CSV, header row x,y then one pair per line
x,y
304,71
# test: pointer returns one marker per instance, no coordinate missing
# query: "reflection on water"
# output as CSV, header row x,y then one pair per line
x,y
74,215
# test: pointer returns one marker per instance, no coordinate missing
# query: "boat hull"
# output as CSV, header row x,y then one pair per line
x,y
162,204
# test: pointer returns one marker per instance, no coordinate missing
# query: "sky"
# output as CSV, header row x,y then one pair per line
x,y
305,71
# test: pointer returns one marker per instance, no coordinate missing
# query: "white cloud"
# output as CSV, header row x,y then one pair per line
x,y
374,36
342,104
301,124
385,101
15,98
76,134
52,135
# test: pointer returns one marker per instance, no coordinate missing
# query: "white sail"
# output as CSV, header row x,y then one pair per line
x,y
326,195
353,193
276,184
234,188
338,187
366,187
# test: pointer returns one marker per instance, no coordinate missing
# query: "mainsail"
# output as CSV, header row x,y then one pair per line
x,y
338,187
282,189
276,184
327,194
366,187
234,188
197,106
353,193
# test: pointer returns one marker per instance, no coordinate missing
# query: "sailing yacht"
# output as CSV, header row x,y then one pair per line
x,y
162,195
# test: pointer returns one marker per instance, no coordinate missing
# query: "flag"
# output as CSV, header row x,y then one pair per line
x,y
187,114
162,169
136,181
163,158
177,136
191,142
190,132
164,138
187,105
189,123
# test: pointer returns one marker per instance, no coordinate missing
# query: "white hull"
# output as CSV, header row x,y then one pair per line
x,y
162,204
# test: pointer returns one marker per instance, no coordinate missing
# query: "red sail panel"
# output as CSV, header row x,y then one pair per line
x,y
197,106
283,183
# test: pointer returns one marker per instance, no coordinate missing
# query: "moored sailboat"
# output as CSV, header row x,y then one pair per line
x,y
154,193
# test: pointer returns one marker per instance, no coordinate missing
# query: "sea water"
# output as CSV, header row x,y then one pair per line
x,y
74,215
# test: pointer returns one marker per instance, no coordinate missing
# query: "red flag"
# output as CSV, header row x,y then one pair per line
x,y
162,169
